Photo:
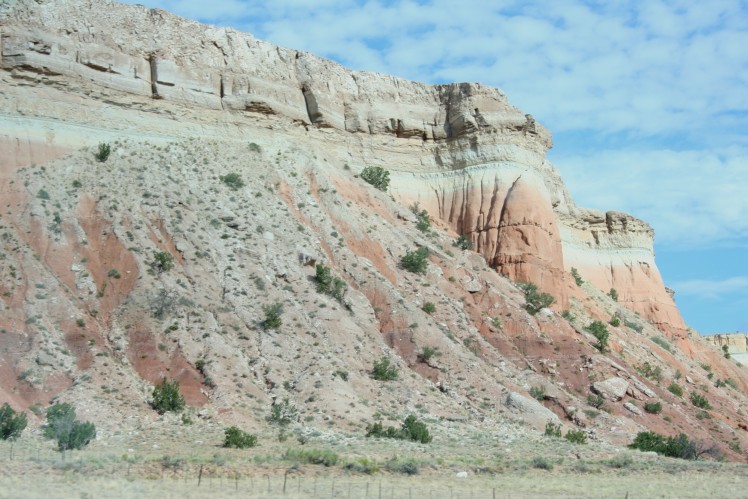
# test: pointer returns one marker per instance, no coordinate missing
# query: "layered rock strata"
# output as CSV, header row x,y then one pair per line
x,y
460,150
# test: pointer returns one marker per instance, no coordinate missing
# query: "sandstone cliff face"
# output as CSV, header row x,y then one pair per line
x,y
460,150
82,309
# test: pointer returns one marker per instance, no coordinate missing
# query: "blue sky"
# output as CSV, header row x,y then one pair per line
x,y
647,102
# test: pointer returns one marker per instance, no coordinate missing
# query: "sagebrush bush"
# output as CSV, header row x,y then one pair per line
x,y
322,457
167,397
416,261
233,180
429,307
273,318
12,423
376,176
239,439
383,371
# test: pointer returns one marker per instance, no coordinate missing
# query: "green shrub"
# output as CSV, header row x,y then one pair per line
x,y
700,401
675,389
322,457
416,261
102,154
428,353
272,316
383,371
463,243
577,278
376,176
411,429
653,373
662,342
599,331
362,465
535,301
595,401
283,413
254,147
680,447
429,307
542,463
615,321
653,407
566,314
552,430
167,397
613,294
328,284
239,439
576,437
633,326
403,466
42,194
537,392
63,426
12,423
423,220
233,180
162,262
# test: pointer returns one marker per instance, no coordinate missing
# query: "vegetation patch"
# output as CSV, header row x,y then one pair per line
x,y
411,429
534,300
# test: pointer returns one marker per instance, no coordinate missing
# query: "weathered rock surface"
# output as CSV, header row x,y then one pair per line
x,y
462,150
612,389
530,410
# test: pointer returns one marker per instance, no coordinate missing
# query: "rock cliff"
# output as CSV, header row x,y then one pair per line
x,y
85,314
461,150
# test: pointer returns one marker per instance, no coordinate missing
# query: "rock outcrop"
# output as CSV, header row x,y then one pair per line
x,y
461,150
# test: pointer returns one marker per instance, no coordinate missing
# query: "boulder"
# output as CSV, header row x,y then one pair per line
x,y
612,389
532,411
631,407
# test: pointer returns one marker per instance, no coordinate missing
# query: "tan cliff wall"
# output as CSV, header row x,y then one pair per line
x,y
736,343
461,150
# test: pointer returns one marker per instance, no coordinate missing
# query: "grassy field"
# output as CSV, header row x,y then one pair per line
x,y
359,468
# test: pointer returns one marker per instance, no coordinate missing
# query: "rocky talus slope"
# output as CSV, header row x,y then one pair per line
x,y
87,315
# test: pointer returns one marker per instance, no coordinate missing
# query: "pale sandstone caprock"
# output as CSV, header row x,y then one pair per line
x,y
460,150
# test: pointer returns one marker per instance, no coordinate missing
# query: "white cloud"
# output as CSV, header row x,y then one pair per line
x,y
692,198
712,289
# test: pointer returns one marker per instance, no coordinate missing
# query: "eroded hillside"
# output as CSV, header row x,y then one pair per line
x,y
91,315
